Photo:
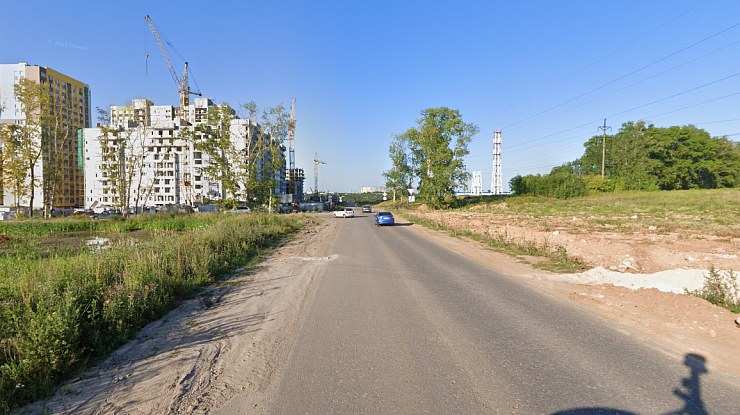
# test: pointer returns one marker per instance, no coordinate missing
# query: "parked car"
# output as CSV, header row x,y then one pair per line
x,y
344,213
239,209
384,218
104,215
367,209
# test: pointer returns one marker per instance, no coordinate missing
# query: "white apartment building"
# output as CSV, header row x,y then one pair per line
x,y
172,170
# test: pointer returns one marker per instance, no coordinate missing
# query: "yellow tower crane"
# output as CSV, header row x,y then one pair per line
x,y
183,86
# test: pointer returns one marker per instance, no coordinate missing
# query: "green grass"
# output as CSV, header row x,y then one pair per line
x,y
62,312
163,222
716,211
688,214
557,259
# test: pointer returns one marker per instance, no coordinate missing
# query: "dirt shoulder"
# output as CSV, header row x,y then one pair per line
x,y
679,322
222,349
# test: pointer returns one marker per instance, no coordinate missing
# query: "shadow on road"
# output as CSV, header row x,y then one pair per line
x,y
691,393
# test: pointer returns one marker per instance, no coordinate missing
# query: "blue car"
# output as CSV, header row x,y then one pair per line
x,y
384,218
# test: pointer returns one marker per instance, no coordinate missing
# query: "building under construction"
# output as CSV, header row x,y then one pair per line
x,y
171,171
294,185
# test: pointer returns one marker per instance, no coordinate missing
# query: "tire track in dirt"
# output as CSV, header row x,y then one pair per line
x,y
223,349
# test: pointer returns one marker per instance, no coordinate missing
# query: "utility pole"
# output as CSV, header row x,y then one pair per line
x,y
603,147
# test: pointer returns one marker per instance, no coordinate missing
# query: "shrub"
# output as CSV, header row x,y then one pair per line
x,y
720,288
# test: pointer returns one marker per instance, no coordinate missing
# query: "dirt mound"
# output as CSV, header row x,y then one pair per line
x,y
4,239
422,207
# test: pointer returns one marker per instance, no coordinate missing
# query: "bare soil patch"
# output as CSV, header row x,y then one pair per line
x,y
635,258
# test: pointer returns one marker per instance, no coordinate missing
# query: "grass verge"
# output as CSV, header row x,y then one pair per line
x,y
556,258
59,314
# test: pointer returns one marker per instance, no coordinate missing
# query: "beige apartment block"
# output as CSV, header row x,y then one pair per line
x,y
71,103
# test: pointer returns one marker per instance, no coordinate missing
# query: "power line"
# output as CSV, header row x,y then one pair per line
x,y
632,109
696,105
628,86
625,76
600,60
715,122
675,95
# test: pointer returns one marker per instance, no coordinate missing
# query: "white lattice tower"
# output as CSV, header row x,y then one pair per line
x,y
497,187
477,183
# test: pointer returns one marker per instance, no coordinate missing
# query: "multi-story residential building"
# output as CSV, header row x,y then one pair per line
x,y
70,102
170,169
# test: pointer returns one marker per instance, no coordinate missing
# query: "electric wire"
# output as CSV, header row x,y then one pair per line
x,y
638,107
599,60
626,87
627,75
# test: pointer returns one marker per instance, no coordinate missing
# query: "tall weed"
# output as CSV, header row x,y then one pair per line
x,y
60,313
720,288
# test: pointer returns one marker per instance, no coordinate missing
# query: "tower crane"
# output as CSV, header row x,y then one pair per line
x,y
316,162
291,137
183,86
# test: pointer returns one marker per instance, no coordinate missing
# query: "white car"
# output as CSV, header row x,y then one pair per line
x,y
344,213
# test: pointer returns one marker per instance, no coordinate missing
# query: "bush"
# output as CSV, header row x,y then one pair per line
x,y
720,288
558,185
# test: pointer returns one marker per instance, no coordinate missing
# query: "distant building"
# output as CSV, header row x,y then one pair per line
x,y
71,103
372,189
173,171
294,184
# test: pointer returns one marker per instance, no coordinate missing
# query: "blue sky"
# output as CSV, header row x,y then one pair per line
x,y
544,72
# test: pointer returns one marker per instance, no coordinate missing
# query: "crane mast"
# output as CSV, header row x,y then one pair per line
x,y
183,87
291,136
316,162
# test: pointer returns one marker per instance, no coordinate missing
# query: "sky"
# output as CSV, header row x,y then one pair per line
x,y
545,73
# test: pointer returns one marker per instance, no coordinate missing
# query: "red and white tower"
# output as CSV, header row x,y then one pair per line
x,y
496,178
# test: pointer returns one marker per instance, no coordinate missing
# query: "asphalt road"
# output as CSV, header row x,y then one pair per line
x,y
401,325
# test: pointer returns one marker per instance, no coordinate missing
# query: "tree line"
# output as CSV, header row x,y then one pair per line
x,y
431,155
641,156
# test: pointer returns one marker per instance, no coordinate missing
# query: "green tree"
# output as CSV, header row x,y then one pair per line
x,y
438,145
400,176
33,133
274,130
246,159
128,178
691,159
213,138
14,170
56,155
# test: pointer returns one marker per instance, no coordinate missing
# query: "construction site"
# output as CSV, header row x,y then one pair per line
x,y
166,168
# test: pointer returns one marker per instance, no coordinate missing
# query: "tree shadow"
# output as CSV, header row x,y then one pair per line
x,y
691,393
